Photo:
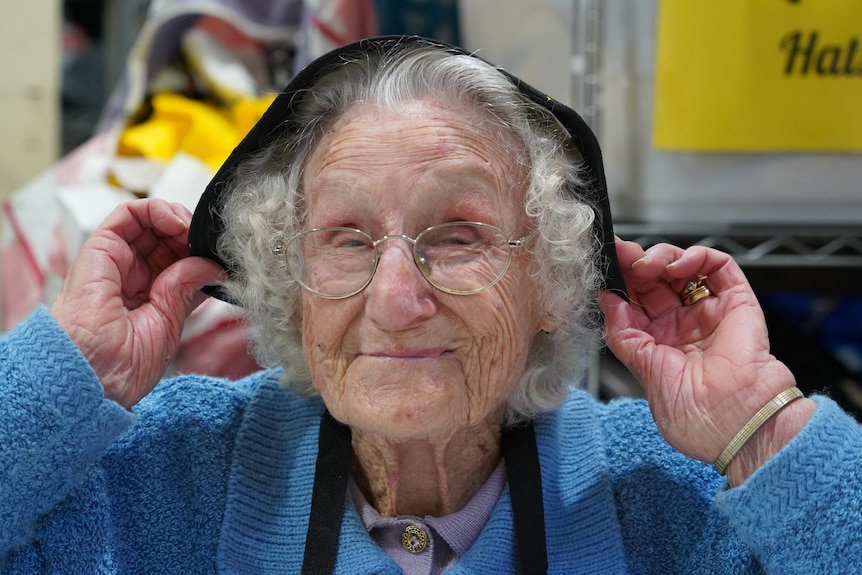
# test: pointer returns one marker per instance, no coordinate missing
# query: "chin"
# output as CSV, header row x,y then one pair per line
x,y
408,422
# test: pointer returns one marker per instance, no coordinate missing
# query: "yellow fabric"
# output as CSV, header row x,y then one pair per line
x,y
245,113
758,75
179,124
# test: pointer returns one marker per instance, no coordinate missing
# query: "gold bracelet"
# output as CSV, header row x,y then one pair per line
x,y
755,423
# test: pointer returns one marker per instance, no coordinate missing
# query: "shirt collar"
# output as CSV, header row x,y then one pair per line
x,y
459,529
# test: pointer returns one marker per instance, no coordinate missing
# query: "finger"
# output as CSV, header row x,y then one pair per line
x,y
636,263
143,238
654,283
137,229
655,260
620,314
677,267
627,252
130,219
674,262
176,292
644,274
145,226
162,226
721,270
624,333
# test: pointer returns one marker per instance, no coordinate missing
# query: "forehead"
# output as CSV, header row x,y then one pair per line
x,y
367,131
408,147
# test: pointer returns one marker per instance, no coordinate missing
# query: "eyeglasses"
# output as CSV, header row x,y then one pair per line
x,y
460,258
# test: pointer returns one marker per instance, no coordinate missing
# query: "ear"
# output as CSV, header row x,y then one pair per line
x,y
548,323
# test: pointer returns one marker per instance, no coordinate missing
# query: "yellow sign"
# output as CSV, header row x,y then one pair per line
x,y
758,75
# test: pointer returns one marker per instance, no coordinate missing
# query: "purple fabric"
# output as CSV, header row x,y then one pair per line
x,y
168,20
449,537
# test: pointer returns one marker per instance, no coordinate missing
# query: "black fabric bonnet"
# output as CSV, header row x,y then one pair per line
x,y
206,225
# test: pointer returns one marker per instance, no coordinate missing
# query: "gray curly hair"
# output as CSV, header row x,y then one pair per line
x,y
266,206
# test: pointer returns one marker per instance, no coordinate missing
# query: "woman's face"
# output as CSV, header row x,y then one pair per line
x,y
402,359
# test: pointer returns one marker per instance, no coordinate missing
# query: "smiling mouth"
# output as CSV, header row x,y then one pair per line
x,y
424,353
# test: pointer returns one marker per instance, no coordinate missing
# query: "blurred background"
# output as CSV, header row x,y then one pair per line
x,y
733,124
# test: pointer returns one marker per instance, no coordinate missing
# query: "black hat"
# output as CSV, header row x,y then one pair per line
x,y
207,225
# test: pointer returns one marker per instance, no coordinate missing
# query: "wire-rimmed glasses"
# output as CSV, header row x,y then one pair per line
x,y
460,258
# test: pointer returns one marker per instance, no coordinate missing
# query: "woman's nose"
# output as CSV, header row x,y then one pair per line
x,y
398,296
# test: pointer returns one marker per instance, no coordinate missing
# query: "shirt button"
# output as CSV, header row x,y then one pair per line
x,y
414,539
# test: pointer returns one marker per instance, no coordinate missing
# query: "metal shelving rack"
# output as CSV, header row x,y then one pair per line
x,y
796,258
778,253
808,259
822,261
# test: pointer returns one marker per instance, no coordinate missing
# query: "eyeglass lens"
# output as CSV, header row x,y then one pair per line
x,y
461,258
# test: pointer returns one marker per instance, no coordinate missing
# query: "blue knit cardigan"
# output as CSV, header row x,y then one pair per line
x,y
210,476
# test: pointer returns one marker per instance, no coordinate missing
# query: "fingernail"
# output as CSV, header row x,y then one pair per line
x,y
640,262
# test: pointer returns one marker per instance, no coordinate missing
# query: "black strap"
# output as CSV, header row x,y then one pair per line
x,y
331,474
525,486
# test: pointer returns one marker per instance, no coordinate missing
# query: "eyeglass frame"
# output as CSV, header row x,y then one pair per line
x,y
280,250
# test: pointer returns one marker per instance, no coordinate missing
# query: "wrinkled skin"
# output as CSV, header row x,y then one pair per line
x,y
403,359
422,376
128,294
706,368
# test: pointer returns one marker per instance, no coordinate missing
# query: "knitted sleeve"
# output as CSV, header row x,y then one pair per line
x,y
54,424
666,501
802,511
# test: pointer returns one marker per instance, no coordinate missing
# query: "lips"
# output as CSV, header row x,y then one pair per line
x,y
412,353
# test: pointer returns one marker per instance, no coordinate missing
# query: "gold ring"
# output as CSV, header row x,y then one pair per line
x,y
695,291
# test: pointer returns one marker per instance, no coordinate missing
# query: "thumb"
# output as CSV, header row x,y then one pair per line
x,y
623,332
618,313
176,292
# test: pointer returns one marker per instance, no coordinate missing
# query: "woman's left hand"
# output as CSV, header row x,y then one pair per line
x,y
706,368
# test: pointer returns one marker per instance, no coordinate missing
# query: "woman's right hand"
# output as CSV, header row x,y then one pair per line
x,y
128,294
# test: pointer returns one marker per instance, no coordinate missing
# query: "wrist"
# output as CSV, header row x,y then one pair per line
x,y
769,439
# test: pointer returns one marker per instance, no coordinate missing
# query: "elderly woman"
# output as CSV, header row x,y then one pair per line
x,y
421,242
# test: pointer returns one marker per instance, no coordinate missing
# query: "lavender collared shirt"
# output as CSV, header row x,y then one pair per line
x,y
448,537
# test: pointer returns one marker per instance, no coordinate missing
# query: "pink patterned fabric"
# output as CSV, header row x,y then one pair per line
x,y
46,221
